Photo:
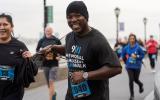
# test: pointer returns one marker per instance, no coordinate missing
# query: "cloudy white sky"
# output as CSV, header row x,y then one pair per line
x,y
28,16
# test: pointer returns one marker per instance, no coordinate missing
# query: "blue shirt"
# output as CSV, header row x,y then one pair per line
x,y
132,63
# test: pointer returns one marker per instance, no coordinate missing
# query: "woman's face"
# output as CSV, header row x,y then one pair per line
x,y
132,40
5,29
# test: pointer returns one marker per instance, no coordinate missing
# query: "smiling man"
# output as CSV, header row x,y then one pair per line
x,y
91,61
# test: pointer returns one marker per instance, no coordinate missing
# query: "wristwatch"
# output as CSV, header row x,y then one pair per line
x,y
85,75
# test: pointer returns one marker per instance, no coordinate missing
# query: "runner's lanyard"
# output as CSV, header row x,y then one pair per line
x,y
6,73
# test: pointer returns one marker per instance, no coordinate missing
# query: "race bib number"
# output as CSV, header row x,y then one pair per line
x,y
80,90
6,73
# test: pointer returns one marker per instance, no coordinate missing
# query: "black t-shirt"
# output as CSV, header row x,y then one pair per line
x,y
89,53
45,42
11,55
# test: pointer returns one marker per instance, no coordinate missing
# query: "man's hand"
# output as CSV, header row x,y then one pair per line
x,y
77,77
46,49
26,54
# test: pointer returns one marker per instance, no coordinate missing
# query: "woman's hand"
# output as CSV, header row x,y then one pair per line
x,y
134,56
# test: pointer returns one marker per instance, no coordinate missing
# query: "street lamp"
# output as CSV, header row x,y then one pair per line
x,y
45,14
117,12
159,32
145,22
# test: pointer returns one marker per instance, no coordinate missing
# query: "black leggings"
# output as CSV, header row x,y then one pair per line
x,y
152,60
133,75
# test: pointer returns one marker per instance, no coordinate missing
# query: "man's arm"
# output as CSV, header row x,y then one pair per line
x,y
104,72
59,48
99,74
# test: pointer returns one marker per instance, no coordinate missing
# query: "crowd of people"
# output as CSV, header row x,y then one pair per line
x,y
149,48
90,64
132,53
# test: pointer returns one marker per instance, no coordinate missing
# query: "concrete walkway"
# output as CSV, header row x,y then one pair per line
x,y
41,93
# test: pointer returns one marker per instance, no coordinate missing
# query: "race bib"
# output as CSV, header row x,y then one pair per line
x,y
132,60
80,90
153,56
6,73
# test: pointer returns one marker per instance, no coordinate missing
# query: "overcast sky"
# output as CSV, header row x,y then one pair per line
x,y
28,16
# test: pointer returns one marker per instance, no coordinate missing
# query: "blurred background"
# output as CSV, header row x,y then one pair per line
x,y
28,17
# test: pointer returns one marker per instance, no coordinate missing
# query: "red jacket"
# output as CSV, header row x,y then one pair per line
x,y
151,46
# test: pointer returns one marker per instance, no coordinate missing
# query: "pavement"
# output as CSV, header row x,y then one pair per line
x,y
41,93
119,86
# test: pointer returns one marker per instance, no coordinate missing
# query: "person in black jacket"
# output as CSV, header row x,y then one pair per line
x,y
50,62
12,56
